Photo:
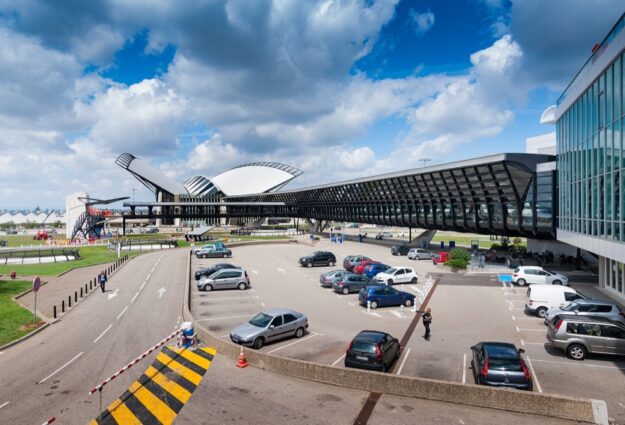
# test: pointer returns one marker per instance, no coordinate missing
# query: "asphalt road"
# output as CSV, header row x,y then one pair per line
x,y
50,374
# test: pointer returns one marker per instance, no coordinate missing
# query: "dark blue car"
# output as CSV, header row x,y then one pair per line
x,y
372,269
384,296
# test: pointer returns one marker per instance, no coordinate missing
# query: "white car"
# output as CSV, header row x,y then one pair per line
x,y
207,247
419,253
531,275
397,275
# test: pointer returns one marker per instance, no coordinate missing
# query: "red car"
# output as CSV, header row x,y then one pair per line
x,y
358,269
441,257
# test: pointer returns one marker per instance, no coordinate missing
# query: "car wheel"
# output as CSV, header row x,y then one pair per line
x,y
541,312
258,343
309,265
242,286
208,288
521,282
374,304
557,282
390,281
576,352
331,263
299,333
345,291
414,280
408,302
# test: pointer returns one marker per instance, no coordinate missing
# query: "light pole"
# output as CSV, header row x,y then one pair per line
x,y
424,160
133,194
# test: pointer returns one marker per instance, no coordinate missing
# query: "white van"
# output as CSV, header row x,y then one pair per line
x,y
541,298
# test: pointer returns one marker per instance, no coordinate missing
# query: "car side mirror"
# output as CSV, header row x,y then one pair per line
x,y
271,326
473,348
521,350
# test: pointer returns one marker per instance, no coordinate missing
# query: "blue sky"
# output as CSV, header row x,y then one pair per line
x,y
340,89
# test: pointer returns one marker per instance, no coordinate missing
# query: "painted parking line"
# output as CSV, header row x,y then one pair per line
x,y
571,363
312,335
338,360
464,368
222,318
61,368
3,404
529,362
243,297
401,366
532,330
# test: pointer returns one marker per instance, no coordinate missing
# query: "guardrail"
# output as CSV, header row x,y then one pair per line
x,y
23,253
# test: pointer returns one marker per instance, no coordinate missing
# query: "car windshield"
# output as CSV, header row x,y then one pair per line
x,y
261,320
512,365
391,270
549,271
572,306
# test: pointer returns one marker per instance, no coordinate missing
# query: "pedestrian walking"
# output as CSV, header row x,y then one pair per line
x,y
102,279
427,319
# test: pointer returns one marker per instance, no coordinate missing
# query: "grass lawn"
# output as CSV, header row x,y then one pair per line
x,y
15,320
19,240
90,255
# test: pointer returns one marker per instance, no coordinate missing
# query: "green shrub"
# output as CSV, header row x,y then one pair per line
x,y
459,254
496,247
456,263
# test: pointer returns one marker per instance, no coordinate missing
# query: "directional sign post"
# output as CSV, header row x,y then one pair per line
x,y
36,286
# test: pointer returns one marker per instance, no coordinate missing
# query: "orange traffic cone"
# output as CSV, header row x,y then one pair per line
x,y
242,360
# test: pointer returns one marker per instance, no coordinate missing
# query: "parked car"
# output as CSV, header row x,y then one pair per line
x,y
397,275
358,268
419,254
326,279
225,279
383,235
384,296
537,275
318,258
217,252
208,246
268,326
372,350
349,283
207,271
500,364
589,307
540,298
351,261
371,270
441,257
578,336
400,249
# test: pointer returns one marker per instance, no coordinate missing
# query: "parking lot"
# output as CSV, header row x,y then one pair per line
x,y
466,310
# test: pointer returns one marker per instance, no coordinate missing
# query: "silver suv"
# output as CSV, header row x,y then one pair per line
x,y
225,279
584,307
578,336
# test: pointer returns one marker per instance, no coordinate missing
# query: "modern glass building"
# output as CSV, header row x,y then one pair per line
x,y
589,118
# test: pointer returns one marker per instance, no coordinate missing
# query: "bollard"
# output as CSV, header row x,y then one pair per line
x,y
81,292
90,287
86,289
368,306
401,311
54,310
75,296
69,301
62,306
414,306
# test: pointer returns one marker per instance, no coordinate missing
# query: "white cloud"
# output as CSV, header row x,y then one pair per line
x,y
422,21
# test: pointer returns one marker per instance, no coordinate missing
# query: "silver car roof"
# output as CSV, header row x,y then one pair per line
x,y
280,311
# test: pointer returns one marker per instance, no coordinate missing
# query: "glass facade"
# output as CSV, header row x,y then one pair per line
x,y
591,164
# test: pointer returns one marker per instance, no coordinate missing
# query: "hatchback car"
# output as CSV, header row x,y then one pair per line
x,y
578,336
440,258
500,364
536,275
397,275
207,271
384,296
371,270
269,326
359,268
217,252
225,279
372,350
589,307
318,258
400,249
326,279
419,254
383,235
349,283
351,261
208,246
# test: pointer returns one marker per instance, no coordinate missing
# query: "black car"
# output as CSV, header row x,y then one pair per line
x,y
400,249
372,350
318,258
350,282
500,364
207,271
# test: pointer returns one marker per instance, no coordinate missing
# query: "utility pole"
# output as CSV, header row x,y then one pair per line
x,y
424,160
133,194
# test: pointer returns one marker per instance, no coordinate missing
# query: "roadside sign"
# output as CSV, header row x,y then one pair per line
x,y
36,284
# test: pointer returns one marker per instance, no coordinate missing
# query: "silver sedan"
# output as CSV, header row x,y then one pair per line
x,y
270,325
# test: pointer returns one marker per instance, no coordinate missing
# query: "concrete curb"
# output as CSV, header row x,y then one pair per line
x,y
25,337
579,409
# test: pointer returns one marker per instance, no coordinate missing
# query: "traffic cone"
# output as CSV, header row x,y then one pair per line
x,y
242,360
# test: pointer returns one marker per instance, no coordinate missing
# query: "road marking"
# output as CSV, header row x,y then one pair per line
x,y
255,271
580,364
102,334
161,292
224,336
1,353
518,330
529,361
464,368
60,369
338,360
401,366
619,403
114,294
535,319
143,285
534,330
222,318
372,313
281,270
122,313
513,318
6,402
353,304
242,297
535,343
263,304
314,334
135,297
522,342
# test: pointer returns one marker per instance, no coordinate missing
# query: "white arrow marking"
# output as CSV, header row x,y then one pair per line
x,y
161,292
255,271
114,294
281,271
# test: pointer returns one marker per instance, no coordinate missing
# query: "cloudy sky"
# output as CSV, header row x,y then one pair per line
x,y
337,88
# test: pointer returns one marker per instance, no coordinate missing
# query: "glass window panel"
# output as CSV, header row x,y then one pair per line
x,y
608,95
617,88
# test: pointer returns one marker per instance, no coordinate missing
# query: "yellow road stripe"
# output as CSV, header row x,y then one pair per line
x,y
122,414
158,408
192,357
180,369
93,422
168,385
